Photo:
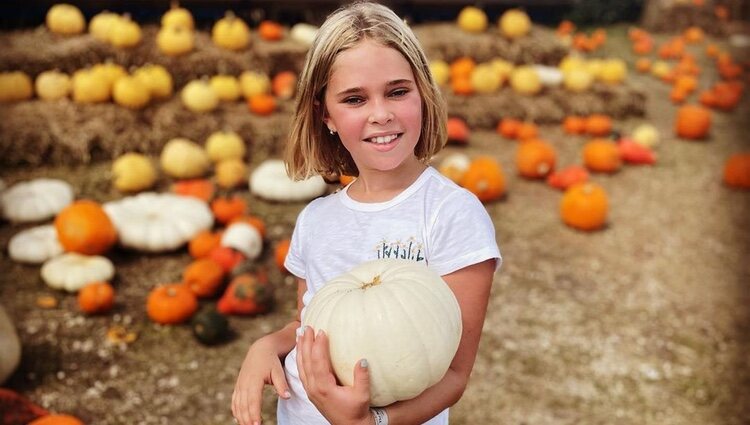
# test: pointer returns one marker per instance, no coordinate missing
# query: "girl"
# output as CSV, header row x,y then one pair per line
x,y
368,107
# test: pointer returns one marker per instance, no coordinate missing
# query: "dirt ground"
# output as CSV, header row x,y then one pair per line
x,y
645,322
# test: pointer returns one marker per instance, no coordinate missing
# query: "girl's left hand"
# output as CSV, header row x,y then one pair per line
x,y
339,404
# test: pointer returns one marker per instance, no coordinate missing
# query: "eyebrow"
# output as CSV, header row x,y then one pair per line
x,y
361,89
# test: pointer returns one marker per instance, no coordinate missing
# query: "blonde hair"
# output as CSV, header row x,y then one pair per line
x,y
311,149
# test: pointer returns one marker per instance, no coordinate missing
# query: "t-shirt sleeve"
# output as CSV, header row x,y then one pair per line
x,y
294,261
462,234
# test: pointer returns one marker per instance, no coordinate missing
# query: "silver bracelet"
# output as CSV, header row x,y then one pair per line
x,y
381,417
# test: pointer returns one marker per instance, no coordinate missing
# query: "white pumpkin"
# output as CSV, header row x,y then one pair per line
x,y
244,238
35,245
399,315
36,200
270,181
646,135
72,271
303,33
158,222
10,355
550,76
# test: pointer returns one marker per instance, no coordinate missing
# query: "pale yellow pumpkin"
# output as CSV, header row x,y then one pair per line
x,y
90,87
613,71
253,83
231,173
577,80
15,86
65,19
110,71
178,16
175,40
133,172
472,19
184,159
514,23
53,85
101,25
440,71
646,135
223,145
227,87
454,166
198,96
131,92
231,32
157,79
525,80
484,79
502,67
125,33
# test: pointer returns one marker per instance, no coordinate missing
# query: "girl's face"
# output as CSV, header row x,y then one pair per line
x,y
372,101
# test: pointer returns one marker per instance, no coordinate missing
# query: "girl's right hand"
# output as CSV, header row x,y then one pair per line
x,y
261,366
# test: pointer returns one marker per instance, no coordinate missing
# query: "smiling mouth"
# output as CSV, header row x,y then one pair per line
x,y
383,140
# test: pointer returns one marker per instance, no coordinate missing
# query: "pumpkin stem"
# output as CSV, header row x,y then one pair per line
x,y
375,281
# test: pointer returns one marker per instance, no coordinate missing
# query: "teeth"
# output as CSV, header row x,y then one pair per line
x,y
383,139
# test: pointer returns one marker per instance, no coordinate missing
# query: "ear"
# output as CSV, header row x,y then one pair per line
x,y
326,117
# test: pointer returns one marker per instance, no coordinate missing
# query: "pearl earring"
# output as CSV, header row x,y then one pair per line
x,y
331,131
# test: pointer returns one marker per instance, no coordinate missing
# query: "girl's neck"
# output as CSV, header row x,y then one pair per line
x,y
381,186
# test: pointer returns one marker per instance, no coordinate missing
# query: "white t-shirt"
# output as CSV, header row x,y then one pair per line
x,y
433,221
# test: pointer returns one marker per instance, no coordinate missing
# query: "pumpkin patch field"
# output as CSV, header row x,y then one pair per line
x,y
146,213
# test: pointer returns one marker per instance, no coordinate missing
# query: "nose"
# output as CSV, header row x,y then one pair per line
x,y
380,114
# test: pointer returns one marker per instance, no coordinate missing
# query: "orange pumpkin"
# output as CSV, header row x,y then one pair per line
x,y
602,156
202,189
693,122
171,304
584,206
284,84
96,297
458,131
462,86
535,159
527,131
737,171
85,228
262,104
270,31
56,419
574,124
247,294
508,127
280,252
226,209
202,243
228,258
484,178
462,68
203,277
598,125
567,177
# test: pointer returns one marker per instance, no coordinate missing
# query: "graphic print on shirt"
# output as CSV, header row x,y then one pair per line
x,y
411,249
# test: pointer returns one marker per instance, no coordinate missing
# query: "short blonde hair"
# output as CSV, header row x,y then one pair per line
x,y
311,149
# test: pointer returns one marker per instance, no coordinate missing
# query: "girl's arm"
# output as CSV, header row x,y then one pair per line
x,y
263,366
343,405
471,286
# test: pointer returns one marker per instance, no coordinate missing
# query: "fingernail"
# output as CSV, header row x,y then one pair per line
x,y
287,394
320,332
363,363
300,331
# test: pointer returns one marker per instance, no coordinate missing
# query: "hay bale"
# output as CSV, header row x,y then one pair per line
x,y
447,42
64,132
